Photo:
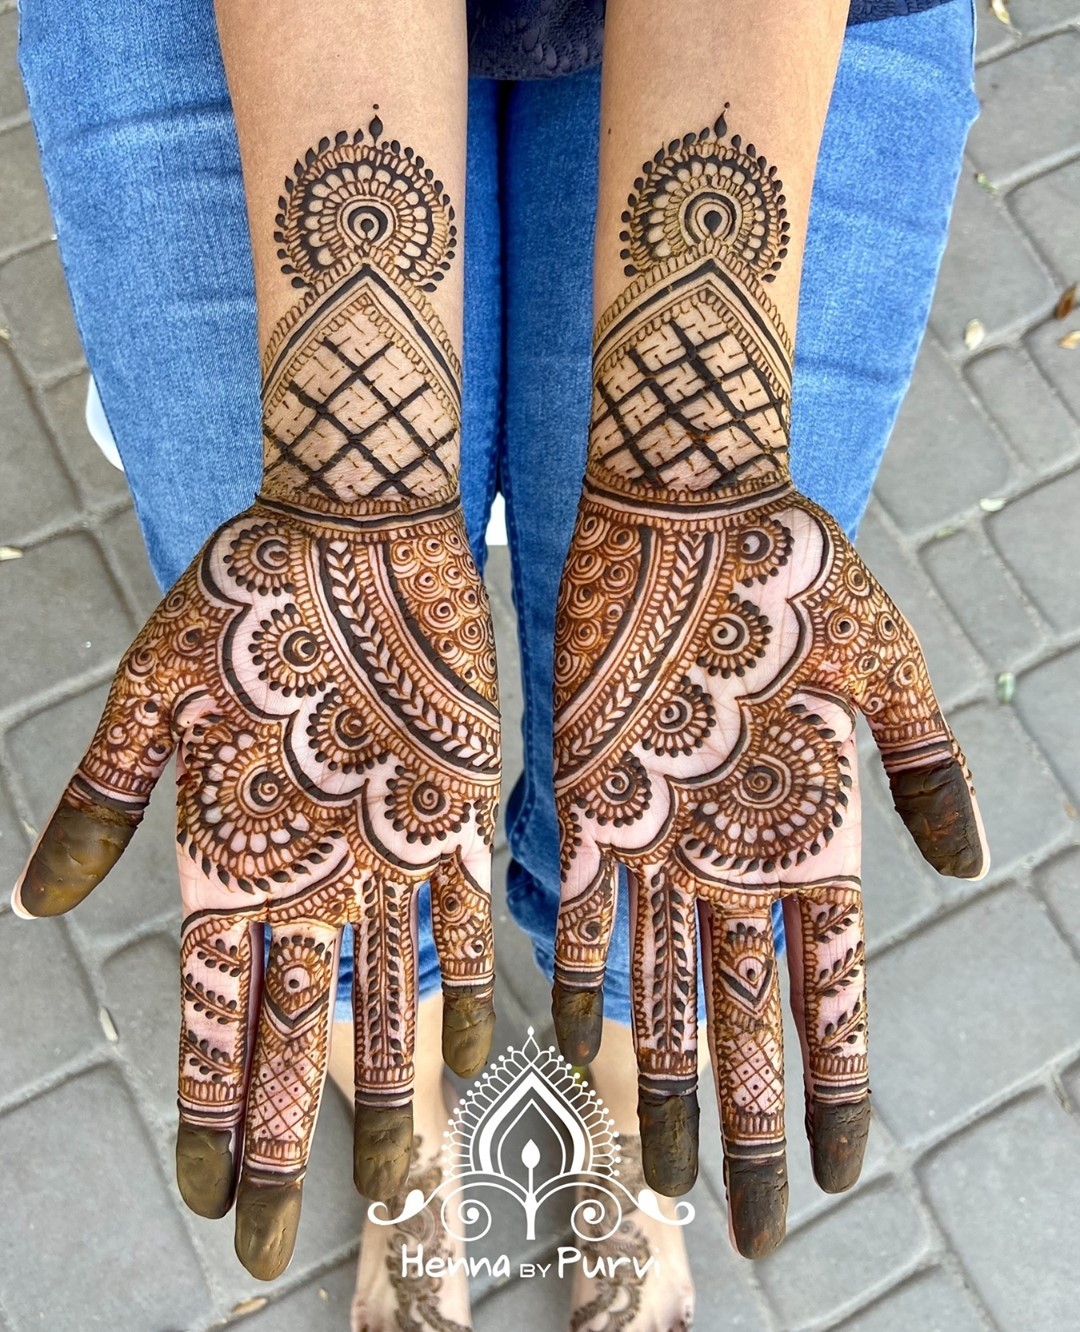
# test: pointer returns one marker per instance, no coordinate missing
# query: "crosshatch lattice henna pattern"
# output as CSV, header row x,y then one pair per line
x,y
325,671
716,635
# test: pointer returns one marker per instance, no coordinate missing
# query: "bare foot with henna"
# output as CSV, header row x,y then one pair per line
x,y
387,1297
638,1279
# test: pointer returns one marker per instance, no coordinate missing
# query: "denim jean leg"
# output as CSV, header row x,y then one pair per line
x,y
139,154
890,159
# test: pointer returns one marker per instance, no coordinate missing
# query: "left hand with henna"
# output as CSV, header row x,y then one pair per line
x,y
716,635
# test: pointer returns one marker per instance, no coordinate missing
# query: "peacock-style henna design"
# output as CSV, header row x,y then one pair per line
x,y
716,636
325,672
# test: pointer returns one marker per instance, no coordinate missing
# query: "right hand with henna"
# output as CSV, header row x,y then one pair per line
x,y
325,671
331,696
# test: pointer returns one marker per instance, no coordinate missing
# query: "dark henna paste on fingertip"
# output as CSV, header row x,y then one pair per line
x,y
757,1197
78,848
468,1025
382,1149
206,1168
669,1140
267,1218
936,806
838,1135
579,1022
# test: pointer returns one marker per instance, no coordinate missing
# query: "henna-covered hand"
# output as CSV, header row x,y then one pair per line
x,y
716,637
325,671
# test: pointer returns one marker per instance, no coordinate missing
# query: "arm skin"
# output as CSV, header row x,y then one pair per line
x,y
325,669
716,633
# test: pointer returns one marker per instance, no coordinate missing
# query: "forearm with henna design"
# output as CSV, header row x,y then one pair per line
x,y
326,672
716,634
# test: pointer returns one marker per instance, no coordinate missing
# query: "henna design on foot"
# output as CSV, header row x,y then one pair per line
x,y
715,636
623,1280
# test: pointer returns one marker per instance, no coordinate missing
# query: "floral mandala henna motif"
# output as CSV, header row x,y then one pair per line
x,y
716,635
325,670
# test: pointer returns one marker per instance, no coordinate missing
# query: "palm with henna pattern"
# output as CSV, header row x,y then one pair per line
x,y
716,636
325,671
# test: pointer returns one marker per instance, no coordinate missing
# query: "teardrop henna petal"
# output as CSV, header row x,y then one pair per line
x,y
579,1022
382,1146
936,805
669,1141
206,1169
838,1136
76,851
468,1025
757,1197
267,1217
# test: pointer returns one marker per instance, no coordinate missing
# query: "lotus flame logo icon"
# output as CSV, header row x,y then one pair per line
x,y
527,1093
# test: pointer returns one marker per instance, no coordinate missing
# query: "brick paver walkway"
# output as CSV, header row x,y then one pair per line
x,y
969,1210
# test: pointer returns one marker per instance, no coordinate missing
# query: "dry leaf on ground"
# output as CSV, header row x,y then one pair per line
x,y
1000,11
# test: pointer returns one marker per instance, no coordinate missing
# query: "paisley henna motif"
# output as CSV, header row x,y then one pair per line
x,y
325,671
716,634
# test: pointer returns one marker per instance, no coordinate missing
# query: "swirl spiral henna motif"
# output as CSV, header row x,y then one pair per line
x,y
715,636
325,670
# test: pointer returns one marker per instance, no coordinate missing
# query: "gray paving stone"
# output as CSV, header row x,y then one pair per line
x,y
61,613
954,666
34,296
984,598
52,1015
123,537
12,98
23,203
321,1306
94,1219
960,1014
143,886
724,1295
988,271
899,887
34,491
1058,364
1046,700
1048,208
845,1254
1025,407
1029,18
1005,1194
1059,884
14,846
943,456
1003,764
1039,538
1028,107
1071,1079
142,996
930,1302
65,406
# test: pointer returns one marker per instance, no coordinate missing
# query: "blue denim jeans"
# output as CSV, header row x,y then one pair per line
x,y
139,153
